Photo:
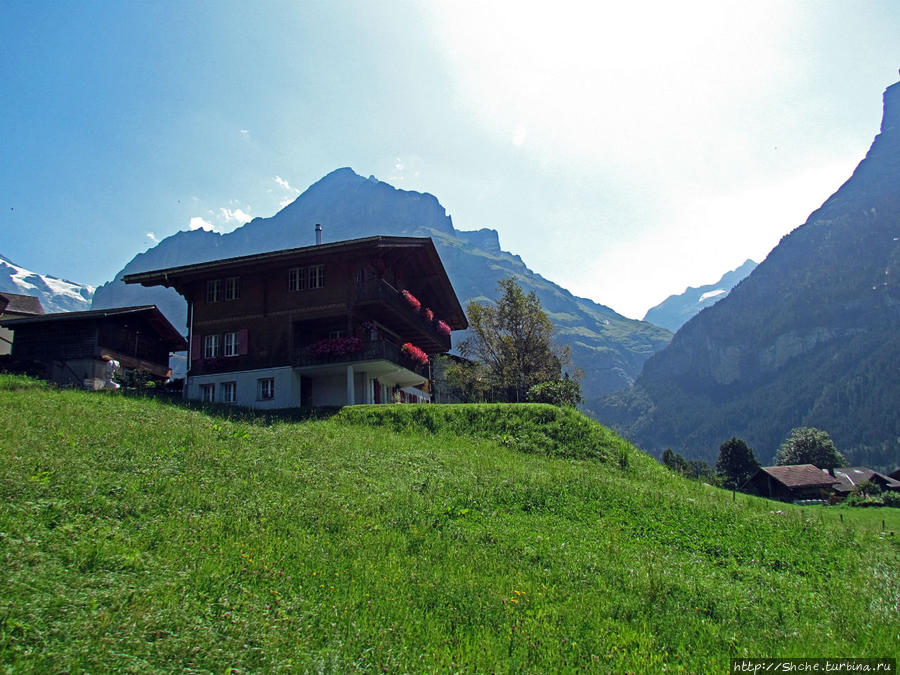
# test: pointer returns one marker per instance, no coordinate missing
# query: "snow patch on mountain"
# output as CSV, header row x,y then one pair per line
x,y
55,294
711,294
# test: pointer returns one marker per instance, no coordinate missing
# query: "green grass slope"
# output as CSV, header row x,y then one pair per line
x,y
139,536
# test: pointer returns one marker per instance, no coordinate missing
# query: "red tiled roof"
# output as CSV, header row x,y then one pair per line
x,y
797,475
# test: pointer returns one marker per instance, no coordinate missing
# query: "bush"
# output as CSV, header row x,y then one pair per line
x,y
891,499
564,392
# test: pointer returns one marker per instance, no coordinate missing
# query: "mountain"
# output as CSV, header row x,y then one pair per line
x,y
810,338
55,294
673,312
608,347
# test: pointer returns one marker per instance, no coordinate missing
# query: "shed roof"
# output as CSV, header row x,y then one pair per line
x,y
15,303
149,313
800,475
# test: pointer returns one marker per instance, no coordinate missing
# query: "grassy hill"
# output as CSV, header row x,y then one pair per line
x,y
139,536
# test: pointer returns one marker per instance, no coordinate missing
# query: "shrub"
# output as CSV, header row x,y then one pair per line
x,y
563,392
891,499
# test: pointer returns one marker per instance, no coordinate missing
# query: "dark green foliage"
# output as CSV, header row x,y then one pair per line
x,y
891,499
807,445
565,392
675,462
736,463
511,343
695,468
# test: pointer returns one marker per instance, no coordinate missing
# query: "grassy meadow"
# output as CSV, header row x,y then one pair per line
x,y
142,536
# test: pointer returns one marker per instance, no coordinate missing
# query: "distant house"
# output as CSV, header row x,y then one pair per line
x,y
76,348
851,477
332,324
791,483
15,306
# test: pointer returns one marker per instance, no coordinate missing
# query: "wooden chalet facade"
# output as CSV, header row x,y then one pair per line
x,y
77,348
325,325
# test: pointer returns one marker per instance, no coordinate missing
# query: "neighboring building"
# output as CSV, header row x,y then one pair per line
x,y
791,483
850,477
895,474
15,306
78,348
330,324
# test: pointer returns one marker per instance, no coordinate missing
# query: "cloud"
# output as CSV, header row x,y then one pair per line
x,y
519,135
152,237
237,215
287,186
198,223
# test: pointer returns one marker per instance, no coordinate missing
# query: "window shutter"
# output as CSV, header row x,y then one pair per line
x,y
196,348
242,342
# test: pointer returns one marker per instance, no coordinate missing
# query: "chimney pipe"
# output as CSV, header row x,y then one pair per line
x,y
318,234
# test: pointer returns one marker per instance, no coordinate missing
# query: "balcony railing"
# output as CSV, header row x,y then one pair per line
x,y
376,350
382,292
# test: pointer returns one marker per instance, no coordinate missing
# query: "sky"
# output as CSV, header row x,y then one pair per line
x,y
624,150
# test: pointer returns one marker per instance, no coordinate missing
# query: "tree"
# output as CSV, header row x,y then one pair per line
x,y
736,463
675,462
807,445
510,341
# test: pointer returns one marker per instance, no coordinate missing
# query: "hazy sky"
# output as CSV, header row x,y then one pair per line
x,y
624,150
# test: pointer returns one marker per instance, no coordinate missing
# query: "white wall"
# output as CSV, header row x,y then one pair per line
x,y
287,387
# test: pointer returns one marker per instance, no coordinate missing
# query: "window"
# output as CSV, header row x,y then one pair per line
x,y
266,388
232,288
210,346
229,392
230,344
317,276
214,290
335,334
207,393
297,279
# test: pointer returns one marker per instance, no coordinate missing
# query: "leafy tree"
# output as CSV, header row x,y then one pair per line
x,y
674,461
736,463
510,341
565,392
807,445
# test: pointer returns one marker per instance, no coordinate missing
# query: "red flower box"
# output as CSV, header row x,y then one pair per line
x,y
411,351
412,300
428,314
443,328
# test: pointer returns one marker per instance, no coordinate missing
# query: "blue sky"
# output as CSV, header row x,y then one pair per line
x,y
624,152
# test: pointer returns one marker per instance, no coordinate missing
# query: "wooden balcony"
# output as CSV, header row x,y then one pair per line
x,y
396,313
375,350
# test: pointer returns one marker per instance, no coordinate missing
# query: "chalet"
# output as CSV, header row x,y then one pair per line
x,y
791,483
15,306
77,348
851,477
331,324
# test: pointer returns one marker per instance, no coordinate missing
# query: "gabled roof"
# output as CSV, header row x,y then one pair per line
x,y
14,303
420,246
894,474
800,475
149,313
850,477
